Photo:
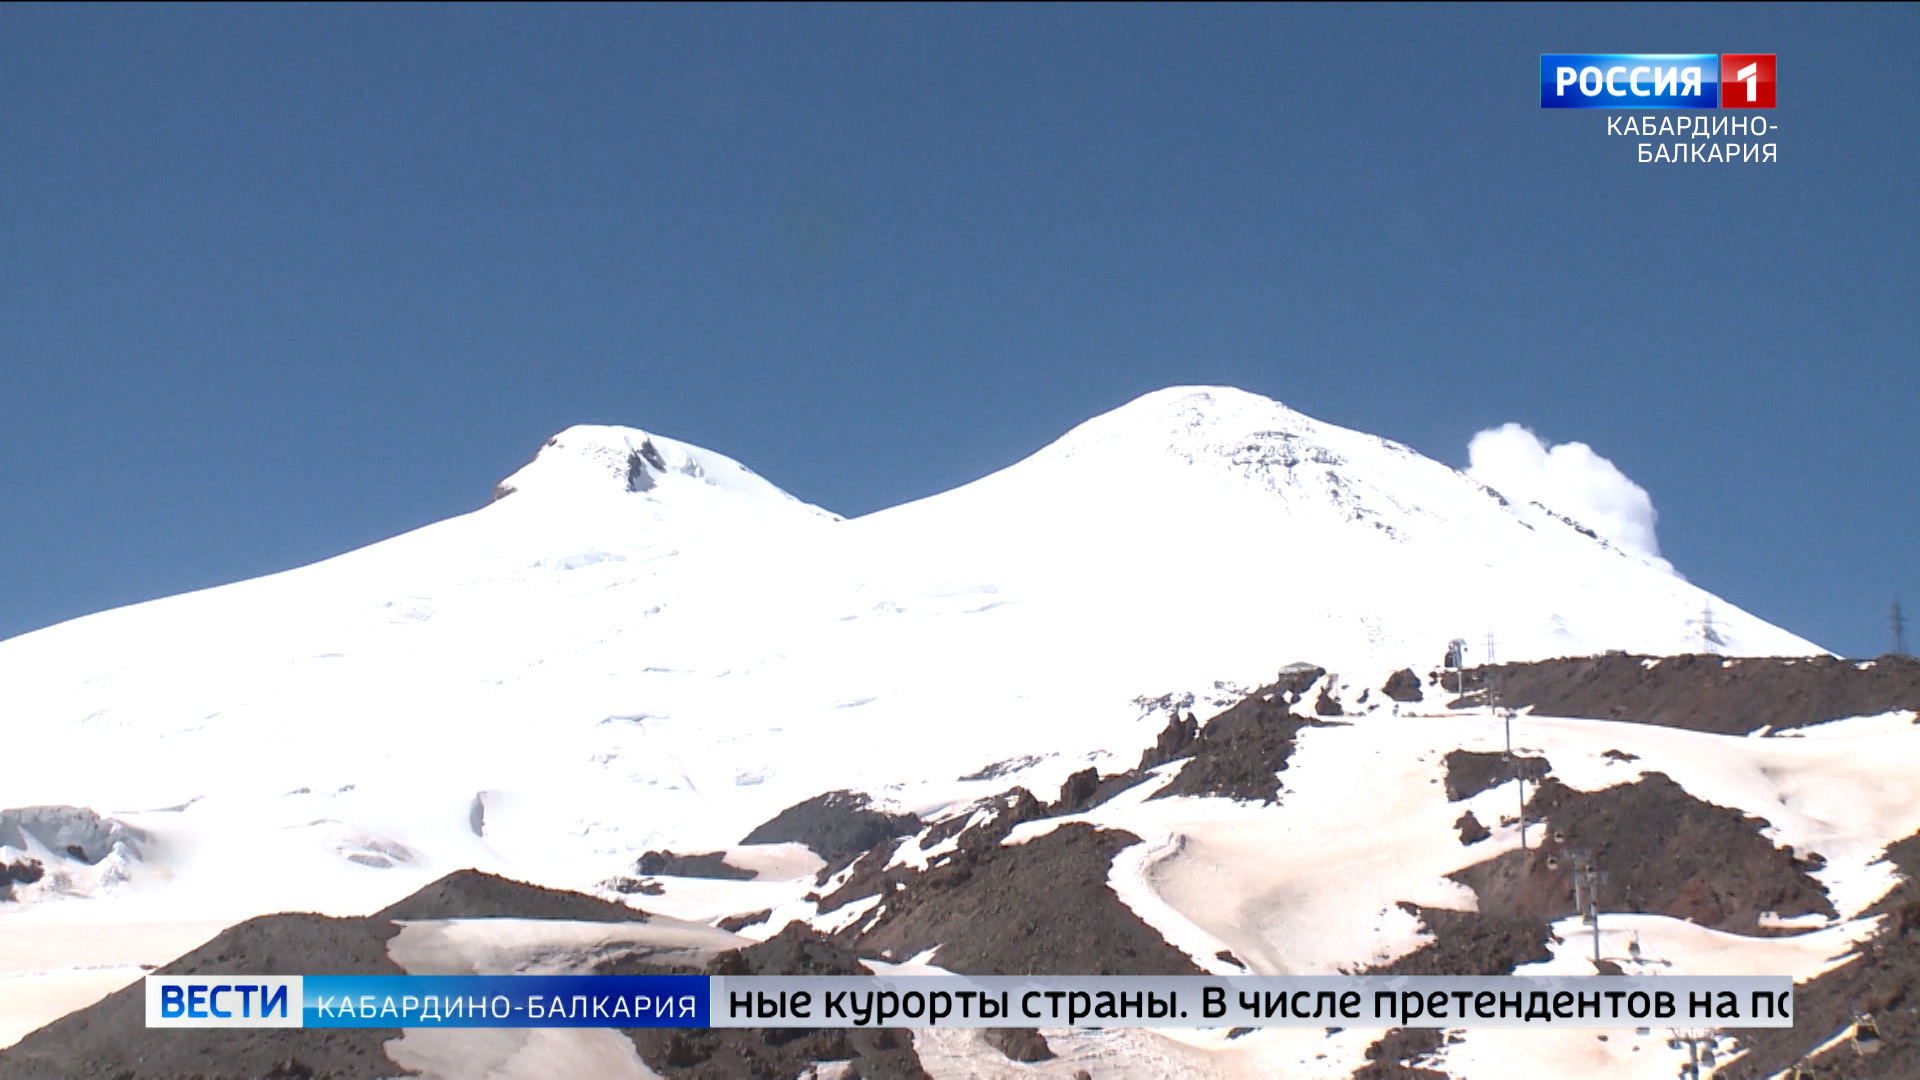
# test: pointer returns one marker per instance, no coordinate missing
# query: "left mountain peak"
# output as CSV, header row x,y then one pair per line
x,y
598,461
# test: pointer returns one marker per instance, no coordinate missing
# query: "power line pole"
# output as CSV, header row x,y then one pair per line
x,y
1709,637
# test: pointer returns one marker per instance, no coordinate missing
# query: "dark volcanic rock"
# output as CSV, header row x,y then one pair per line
x,y
1173,740
709,864
1042,907
1472,943
1464,943
111,1039
1076,793
1470,772
1295,680
797,949
776,1053
973,831
733,924
1003,768
1490,941
835,825
1396,1054
1326,705
1403,686
727,1053
1018,1044
1663,851
1883,980
1471,831
24,872
1668,853
1240,753
470,894
1727,695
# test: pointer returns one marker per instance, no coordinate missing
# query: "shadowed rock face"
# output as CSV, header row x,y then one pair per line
x,y
709,864
1240,753
834,825
1724,695
1470,772
1038,908
1403,686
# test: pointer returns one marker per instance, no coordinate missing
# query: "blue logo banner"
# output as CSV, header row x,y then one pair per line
x,y
1629,81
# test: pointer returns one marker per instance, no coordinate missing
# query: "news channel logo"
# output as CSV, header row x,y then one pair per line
x,y
1657,80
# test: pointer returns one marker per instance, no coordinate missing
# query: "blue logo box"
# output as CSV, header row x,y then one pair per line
x,y
1629,80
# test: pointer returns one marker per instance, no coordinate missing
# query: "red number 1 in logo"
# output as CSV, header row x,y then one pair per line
x,y
1746,80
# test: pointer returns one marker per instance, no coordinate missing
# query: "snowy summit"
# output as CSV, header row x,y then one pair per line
x,y
642,645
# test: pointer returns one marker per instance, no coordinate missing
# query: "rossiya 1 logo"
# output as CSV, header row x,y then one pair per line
x,y
1662,83
1657,80
1747,80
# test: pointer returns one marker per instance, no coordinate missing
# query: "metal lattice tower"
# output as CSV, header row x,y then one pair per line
x,y
1897,622
1710,638
1587,879
1519,773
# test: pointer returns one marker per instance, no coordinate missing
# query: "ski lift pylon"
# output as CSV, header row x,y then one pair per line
x,y
1866,1035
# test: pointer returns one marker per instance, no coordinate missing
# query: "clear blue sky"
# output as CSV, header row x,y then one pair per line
x,y
279,282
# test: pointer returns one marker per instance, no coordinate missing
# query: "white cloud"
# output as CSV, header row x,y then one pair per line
x,y
1569,479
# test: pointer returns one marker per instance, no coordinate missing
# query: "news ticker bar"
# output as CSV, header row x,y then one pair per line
x,y
699,1001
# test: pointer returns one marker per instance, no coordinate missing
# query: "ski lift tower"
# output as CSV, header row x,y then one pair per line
x,y
1519,775
1456,662
1587,879
1700,1056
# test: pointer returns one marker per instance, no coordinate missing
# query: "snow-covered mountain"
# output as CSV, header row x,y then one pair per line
x,y
640,644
